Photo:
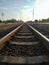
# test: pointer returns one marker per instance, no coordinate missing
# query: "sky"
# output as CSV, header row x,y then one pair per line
x,y
23,9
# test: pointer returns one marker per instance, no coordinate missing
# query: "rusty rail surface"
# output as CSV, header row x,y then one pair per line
x,y
8,36
40,36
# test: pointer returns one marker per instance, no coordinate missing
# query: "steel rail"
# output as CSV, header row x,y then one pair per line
x,y
40,36
8,36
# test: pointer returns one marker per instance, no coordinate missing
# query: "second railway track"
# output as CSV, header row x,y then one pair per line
x,y
24,47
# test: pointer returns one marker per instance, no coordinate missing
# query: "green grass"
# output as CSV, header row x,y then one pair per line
x,y
6,23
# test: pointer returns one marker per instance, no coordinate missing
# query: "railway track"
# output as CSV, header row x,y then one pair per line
x,y
43,28
24,45
8,30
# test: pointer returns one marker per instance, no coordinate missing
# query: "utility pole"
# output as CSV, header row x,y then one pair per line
x,y
20,15
2,16
33,14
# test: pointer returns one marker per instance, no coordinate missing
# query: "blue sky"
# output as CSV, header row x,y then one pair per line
x,y
23,9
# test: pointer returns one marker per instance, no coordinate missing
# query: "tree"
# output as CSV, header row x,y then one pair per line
x,y
36,20
0,21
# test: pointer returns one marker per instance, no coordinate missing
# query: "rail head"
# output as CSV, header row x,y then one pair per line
x,y
40,36
8,36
